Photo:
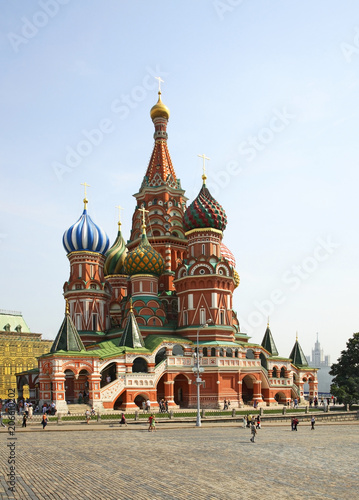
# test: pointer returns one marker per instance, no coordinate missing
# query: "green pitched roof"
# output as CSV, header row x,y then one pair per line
x,y
131,336
297,355
68,338
13,321
268,342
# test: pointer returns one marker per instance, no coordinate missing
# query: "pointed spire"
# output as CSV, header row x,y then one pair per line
x,y
268,342
160,170
297,355
131,336
68,338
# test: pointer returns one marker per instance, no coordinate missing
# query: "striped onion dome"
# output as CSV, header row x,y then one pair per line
x,y
228,255
115,256
144,259
204,212
85,235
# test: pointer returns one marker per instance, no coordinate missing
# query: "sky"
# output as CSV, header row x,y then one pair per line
x,y
267,90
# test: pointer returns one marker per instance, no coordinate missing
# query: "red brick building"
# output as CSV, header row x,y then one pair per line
x,y
136,311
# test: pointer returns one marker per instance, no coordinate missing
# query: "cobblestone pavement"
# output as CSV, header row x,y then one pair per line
x,y
182,463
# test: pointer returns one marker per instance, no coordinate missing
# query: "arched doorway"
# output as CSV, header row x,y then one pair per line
x,y
280,398
83,386
181,391
69,386
247,389
139,399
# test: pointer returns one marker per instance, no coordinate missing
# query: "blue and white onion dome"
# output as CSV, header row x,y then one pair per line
x,y
85,235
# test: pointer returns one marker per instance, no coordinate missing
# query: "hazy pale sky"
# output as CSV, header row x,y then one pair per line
x,y
267,90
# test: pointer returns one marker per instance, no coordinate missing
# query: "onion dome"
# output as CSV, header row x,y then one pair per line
x,y
228,255
115,256
159,110
144,259
85,235
204,212
236,278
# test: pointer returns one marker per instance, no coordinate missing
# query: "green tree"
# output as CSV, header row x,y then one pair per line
x,y
345,384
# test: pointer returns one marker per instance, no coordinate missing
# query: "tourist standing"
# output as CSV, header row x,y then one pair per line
x,y
88,416
148,405
253,431
24,418
312,423
31,410
295,423
244,422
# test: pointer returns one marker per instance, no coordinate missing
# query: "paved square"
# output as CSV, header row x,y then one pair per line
x,y
206,463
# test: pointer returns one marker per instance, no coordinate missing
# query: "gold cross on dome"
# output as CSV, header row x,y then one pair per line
x,y
204,177
85,199
143,210
119,214
159,82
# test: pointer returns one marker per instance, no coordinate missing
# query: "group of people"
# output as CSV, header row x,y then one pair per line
x,y
146,405
83,397
163,406
226,404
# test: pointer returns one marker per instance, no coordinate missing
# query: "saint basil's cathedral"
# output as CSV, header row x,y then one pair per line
x,y
138,314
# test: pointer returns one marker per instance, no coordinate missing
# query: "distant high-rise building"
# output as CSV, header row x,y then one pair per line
x,y
319,360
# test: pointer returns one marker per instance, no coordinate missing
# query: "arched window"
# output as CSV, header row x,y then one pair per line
x,y
249,354
177,350
221,352
282,372
139,366
213,351
160,356
275,373
221,317
229,353
205,352
185,318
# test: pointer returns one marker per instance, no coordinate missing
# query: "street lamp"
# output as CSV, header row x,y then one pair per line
x,y
198,370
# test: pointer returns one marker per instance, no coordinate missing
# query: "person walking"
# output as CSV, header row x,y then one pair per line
x,y
258,426
152,423
88,416
44,421
312,422
253,431
295,424
244,422
24,418
123,420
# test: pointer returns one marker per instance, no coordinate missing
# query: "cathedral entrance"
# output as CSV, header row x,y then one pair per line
x,y
181,391
69,386
280,398
247,389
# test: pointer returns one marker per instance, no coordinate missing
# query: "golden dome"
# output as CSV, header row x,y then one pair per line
x,y
159,109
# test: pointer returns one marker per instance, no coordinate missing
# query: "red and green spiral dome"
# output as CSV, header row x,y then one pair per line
x,y
204,212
